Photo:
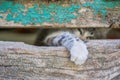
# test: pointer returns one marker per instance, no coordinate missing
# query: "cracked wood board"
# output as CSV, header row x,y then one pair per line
x,y
22,61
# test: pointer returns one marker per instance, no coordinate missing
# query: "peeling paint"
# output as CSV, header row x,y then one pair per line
x,y
101,6
52,13
39,14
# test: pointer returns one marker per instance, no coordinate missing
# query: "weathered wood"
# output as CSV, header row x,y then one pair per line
x,y
92,13
20,61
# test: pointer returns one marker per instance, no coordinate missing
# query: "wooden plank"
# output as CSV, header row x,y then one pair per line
x,y
22,61
86,13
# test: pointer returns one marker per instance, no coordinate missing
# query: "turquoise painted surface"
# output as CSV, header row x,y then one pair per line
x,y
52,13
1,16
39,14
101,6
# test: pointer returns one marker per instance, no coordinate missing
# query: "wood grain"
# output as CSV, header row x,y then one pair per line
x,y
20,61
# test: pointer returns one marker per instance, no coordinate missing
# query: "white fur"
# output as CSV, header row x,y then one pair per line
x,y
52,35
79,53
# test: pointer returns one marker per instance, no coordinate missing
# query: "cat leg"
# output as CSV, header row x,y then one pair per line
x,y
76,46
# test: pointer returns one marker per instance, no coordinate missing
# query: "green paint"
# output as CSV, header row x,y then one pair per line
x,y
53,13
4,6
39,14
1,16
101,6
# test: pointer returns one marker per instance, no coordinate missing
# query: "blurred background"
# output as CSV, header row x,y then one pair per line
x,y
29,35
19,35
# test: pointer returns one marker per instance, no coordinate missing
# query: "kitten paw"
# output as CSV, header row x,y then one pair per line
x,y
79,53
